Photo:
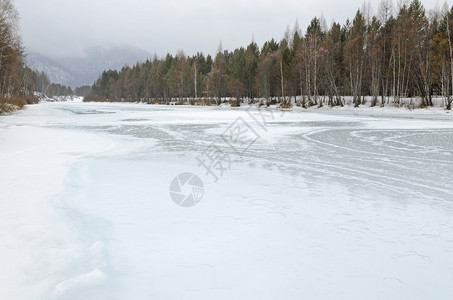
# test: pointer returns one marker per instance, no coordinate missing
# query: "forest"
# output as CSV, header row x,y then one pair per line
x,y
397,53
41,84
18,83
16,80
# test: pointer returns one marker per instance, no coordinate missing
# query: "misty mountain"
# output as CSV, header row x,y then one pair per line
x,y
84,70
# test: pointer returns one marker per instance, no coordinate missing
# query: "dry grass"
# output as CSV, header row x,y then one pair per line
x,y
94,98
15,103
286,105
11,104
31,99
235,102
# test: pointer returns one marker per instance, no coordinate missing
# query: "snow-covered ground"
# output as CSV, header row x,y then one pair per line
x,y
330,204
44,98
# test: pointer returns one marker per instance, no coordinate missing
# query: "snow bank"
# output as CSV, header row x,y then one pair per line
x,y
72,98
6,107
39,248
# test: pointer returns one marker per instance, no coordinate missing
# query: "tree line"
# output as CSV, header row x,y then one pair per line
x,y
394,54
17,82
40,82
11,54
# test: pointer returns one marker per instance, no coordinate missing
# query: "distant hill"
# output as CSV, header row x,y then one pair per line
x,y
78,71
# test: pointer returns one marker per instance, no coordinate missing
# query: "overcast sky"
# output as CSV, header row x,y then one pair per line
x,y
56,27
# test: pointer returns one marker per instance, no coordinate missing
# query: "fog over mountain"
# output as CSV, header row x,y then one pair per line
x,y
84,70
167,26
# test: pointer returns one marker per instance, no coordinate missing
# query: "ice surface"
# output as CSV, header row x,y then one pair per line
x,y
331,204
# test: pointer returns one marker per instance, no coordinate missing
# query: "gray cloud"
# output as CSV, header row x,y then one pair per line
x,y
67,28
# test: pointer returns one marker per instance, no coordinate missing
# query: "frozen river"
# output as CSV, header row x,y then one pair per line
x,y
334,204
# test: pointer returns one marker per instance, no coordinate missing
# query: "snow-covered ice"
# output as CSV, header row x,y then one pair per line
x,y
329,204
